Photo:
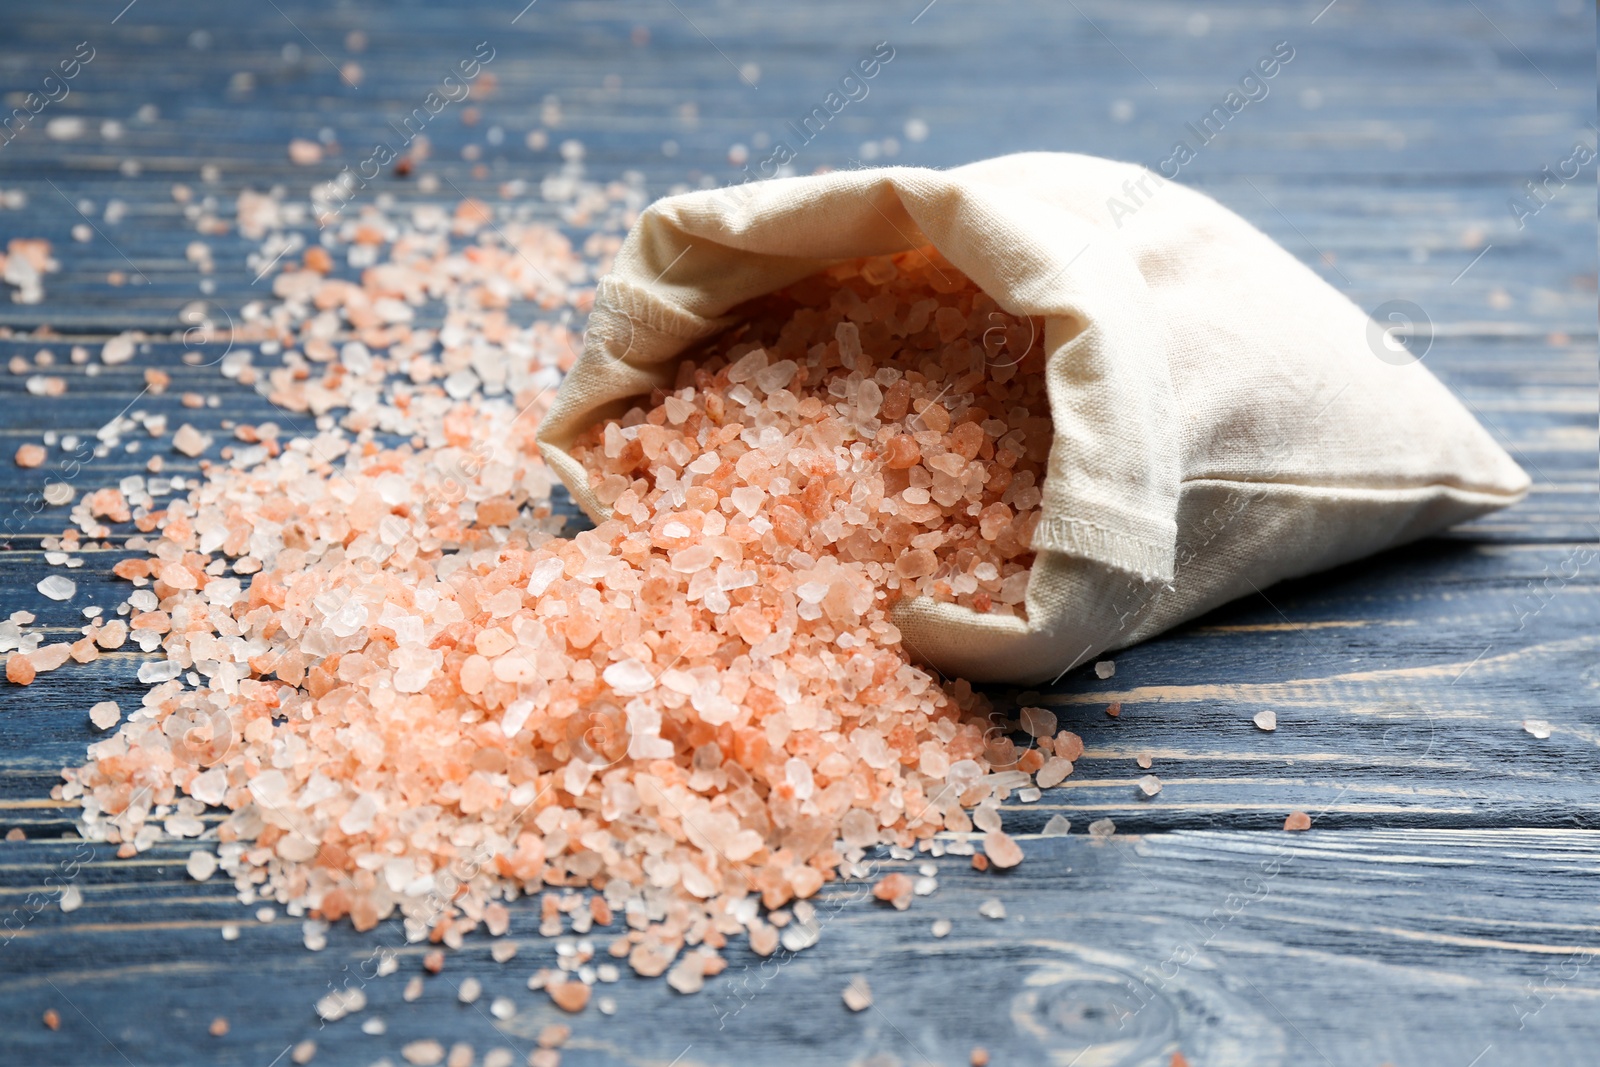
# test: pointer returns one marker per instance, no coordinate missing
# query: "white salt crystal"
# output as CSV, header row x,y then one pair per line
x,y
470,990
71,898
57,588
629,677
1057,826
117,350
992,909
544,573
503,1007
210,787
941,928
1105,669
201,865
1266,720
158,670
105,714
516,715
1537,727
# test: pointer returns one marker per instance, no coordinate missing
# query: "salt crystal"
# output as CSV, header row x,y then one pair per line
x,y
941,927
1057,826
189,441
117,350
992,909
1102,829
502,1008
1266,720
858,995
56,587
629,677
105,714
1105,669
1537,727
71,898
1149,785
469,990
201,865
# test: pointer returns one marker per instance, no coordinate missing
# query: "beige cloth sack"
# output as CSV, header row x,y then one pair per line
x,y
1222,417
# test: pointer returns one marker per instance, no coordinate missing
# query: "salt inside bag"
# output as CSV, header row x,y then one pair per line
x,y
1221,420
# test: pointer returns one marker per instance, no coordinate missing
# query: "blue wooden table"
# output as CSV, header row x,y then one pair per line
x,y
1445,908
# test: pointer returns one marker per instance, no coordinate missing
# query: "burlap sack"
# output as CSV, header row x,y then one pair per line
x,y
1223,418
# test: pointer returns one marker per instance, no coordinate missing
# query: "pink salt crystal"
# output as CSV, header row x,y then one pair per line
x,y
1001,849
304,153
1053,773
1037,722
189,441
858,994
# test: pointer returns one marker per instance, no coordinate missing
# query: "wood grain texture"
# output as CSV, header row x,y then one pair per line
x,y
1441,911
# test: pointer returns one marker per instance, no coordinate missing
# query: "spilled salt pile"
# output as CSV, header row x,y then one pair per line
x,y
410,696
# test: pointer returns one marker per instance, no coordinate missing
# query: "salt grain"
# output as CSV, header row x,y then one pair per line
x,y
57,588
105,714
858,995
1266,720
992,909
1105,669
1057,826
201,865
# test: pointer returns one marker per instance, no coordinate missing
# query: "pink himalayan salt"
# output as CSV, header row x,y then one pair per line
x,y
719,678
912,456
1001,849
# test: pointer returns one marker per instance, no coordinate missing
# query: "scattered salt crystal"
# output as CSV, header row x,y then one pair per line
x,y
105,714
992,909
202,864
502,1007
1102,829
941,928
1266,720
189,441
71,898
117,350
230,931
469,991
858,995
1105,669
1001,849
1057,826
56,587
424,1053
1537,727
1149,785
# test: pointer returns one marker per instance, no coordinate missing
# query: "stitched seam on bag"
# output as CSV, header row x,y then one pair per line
x,y
1325,487
1087,539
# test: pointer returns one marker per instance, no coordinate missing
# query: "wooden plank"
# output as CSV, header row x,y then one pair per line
x,y
1351,947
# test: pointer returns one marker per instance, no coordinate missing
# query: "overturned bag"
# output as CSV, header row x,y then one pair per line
x,y
1223,418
